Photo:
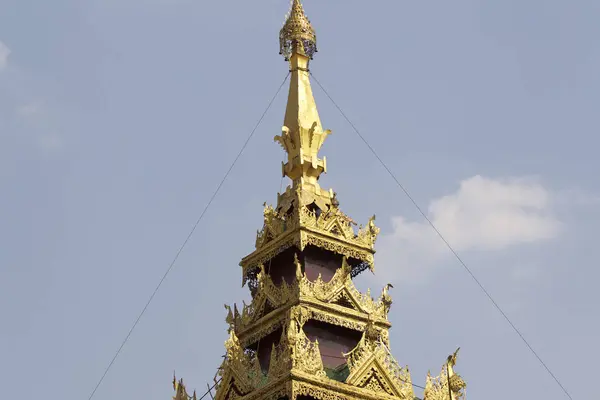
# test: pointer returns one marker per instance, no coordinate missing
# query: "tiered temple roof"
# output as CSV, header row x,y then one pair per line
x,y
308,332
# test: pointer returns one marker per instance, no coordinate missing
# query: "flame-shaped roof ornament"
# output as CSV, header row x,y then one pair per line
x,y
297,34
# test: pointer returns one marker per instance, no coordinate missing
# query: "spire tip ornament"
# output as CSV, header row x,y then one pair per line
x,y
297,34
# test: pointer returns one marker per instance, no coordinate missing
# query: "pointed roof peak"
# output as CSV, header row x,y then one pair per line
x,y
296,8
297,34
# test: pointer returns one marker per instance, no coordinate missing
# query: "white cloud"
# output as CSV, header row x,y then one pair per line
x,y
4,53
484,214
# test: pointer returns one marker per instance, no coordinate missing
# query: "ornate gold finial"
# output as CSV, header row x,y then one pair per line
x,y
448,385
385,297
297,34
302,134
180,390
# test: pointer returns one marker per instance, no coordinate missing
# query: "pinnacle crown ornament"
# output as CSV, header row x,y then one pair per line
x,y
297,34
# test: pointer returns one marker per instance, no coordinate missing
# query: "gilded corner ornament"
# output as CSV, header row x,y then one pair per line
x,y
373,367
446,386
180,390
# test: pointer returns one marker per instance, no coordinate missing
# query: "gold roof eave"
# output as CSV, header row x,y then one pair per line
x,y
301,237
331,230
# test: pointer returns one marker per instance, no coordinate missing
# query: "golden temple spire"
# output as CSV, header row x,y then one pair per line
x,y
302,134
300,277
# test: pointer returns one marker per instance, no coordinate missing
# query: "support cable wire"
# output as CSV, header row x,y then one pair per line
x,y
210,389
443,239
209,392
185,242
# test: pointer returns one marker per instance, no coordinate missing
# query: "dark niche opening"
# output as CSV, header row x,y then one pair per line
x,y
281,267
264,347
319,261
334,341
315,208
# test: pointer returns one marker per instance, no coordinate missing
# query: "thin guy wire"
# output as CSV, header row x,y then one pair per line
x,y
187,239
209,392
213,386
443,239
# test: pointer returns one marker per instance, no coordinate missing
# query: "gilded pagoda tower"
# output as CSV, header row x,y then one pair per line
x,y
308,333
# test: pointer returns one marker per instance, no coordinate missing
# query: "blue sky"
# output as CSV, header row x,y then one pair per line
x,y
118,119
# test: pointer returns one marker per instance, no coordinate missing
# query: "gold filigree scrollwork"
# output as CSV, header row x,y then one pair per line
x,y
241,366
448,385
341,321
276,394
330,230
332,222
372,366
304,354
339,248
315,392
268,293
339,287
274,225
295,351
368,235
253,322
280,361
342,286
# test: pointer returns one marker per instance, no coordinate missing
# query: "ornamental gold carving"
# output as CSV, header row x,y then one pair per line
x,y
372,366
303,143
332,222
340,287
180,390
270,296
315,392
448,385
242,364
303,353
297,34
331,230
